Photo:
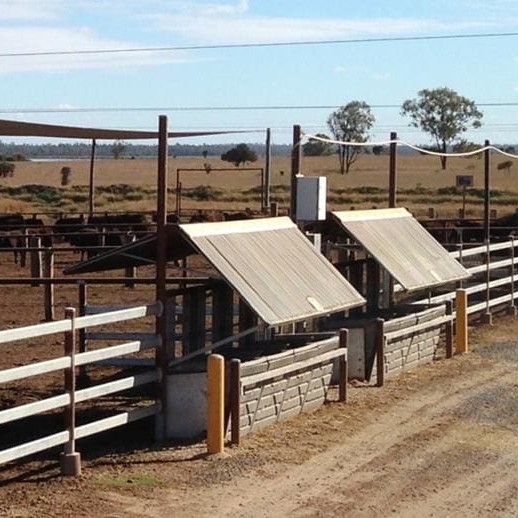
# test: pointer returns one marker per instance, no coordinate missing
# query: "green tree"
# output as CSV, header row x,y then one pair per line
x,y
118,148
443,114
378,150
239,155
317,147
350,123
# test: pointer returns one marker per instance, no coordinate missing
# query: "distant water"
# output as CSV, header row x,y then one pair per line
x,y
58,159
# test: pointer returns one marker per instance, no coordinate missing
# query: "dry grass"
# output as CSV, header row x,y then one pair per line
x,y
418,179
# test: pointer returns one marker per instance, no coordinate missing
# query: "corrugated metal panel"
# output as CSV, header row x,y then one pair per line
x,y
402,246
274,267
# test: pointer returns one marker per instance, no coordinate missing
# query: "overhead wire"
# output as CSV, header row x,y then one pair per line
x,y
258,45
211,108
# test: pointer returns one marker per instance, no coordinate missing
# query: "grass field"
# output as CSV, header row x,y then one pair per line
x,y
130,184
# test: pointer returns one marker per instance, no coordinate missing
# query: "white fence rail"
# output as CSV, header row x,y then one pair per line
x,y
490,277
70,396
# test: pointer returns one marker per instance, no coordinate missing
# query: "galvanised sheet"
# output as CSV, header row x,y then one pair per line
x,y
402,246
274,268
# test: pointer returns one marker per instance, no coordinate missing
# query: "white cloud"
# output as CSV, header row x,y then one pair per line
x,y
237,28
44,39
30,10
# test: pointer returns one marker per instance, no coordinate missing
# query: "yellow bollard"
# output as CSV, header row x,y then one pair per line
x,y
461,321
216,403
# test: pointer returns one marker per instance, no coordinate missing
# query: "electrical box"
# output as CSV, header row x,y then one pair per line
x,y
311,198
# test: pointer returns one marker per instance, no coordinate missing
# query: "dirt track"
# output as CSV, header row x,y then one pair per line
x,y
439,441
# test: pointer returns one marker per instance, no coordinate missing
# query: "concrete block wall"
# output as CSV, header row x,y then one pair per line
x,y
416,347
300,390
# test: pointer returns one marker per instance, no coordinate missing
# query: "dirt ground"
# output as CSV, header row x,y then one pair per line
x,y
441,440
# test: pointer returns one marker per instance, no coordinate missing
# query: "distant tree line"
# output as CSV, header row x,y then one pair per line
x,y
106,150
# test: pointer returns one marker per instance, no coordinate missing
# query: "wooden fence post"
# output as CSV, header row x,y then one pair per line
x,y
216,403
461,321
342,367
380,352
70,460
235,401
48,288
35,259
449,330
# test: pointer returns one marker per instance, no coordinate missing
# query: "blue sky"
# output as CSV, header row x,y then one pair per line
x,y
485,69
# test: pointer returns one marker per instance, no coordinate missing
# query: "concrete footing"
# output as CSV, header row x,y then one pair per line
x,y
70,464
487,318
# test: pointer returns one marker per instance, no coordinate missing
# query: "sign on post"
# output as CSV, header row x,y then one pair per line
x,y
464,181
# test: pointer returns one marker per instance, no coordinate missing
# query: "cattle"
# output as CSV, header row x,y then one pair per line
x,y
11,226
138,223
172,218
237,216
65,227
202,216
473,231
9,222
90,235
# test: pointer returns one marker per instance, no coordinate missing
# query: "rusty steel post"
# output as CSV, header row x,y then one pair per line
x,y
91,186
393,170
161,274
296,154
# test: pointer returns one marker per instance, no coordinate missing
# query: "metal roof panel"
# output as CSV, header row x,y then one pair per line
x,y
274,268
402,246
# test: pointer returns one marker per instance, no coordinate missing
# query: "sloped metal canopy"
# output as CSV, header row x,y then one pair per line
x,y
137,253
402,246
31,129
274,268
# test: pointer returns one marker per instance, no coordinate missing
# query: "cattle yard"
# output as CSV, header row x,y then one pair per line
x,y
149,295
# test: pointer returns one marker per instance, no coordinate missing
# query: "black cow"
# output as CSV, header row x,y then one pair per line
x,y
237,216
138,223
64,228
91,235
9,222
202,216
500,229
11,226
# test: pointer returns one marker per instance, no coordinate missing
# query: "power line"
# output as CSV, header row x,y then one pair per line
x,y
258,45
211,108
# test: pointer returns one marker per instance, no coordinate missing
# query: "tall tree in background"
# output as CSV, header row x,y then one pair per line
x,y
443,114
118,148
350,123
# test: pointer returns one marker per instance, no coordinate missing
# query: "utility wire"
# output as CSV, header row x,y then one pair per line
x,y
211,108
258,45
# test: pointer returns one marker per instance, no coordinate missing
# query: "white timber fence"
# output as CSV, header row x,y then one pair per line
x,y
492,284
67,400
